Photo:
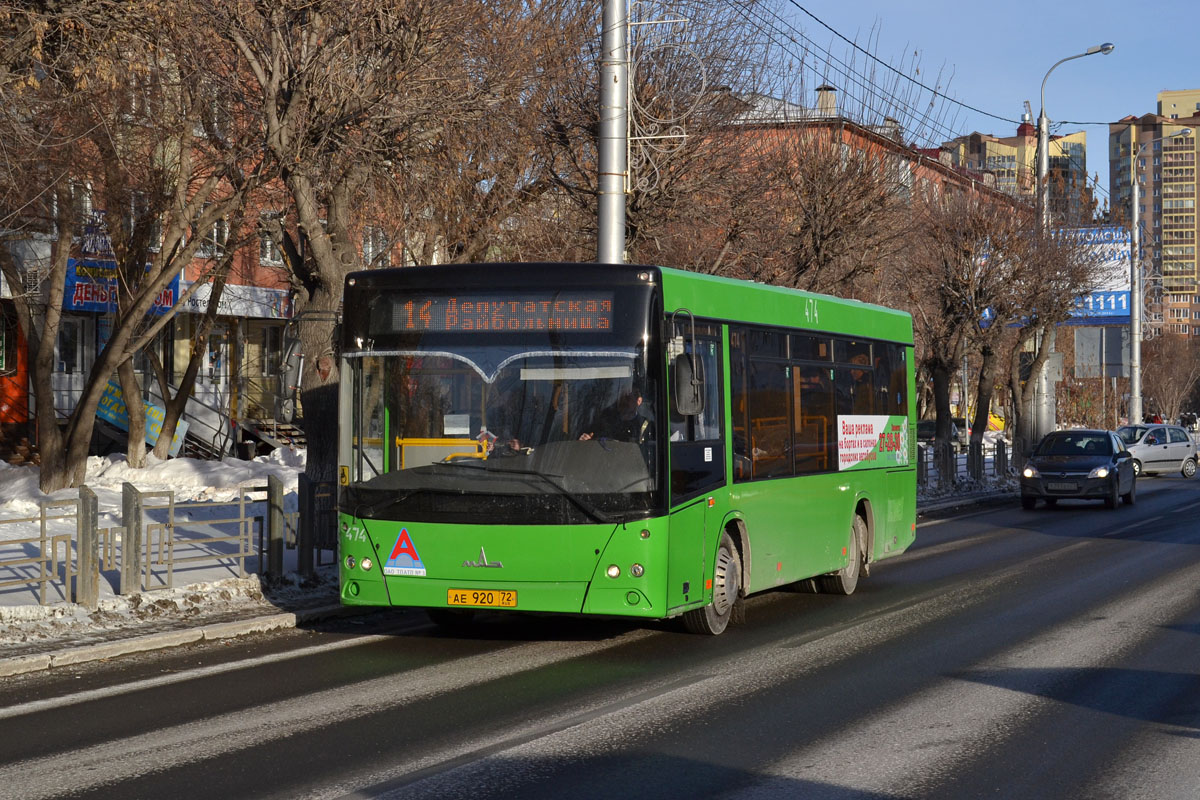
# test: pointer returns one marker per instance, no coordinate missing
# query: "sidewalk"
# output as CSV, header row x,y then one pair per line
x,y
32,640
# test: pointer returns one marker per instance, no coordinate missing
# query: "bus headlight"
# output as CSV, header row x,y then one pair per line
x,y
350,562
613,571
366,564
637,570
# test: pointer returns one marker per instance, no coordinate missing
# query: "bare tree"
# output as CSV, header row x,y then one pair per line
x,y
965,255
347,97
1171,371
155,182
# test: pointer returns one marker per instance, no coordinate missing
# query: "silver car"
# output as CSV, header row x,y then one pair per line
x,y
1160,448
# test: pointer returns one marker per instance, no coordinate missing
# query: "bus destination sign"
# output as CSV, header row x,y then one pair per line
x,y
584,311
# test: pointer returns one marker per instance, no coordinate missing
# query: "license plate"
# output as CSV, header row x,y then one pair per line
x,y
1061,487
486,598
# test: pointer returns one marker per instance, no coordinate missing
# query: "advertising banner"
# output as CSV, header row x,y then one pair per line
x,y
871,440
113,411
1108,301
91,285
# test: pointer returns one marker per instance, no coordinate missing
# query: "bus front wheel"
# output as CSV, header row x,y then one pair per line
x,y
727,577
845,580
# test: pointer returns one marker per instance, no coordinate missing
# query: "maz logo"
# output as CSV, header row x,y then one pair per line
x,y
483,562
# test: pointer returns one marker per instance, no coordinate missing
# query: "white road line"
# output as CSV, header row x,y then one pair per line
x,y
35,706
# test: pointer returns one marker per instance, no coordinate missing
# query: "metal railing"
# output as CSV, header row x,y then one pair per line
x,y
949,468
160,539
34,561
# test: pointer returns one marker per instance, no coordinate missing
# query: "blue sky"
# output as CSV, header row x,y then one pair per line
x,y
996,55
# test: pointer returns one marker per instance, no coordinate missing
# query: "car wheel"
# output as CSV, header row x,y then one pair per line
x,y
1113,494
1189,468
727,575
1137,467
1028,501
1131,495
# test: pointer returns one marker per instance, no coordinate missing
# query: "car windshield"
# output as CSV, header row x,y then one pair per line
x,y
1075,444
1130,434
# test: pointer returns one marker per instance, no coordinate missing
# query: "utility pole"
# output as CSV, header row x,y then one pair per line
x,y
1044,412
612,144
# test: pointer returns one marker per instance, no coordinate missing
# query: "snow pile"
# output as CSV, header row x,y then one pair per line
x,y
191,479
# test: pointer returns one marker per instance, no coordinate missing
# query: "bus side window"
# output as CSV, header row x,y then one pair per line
x,y
813,415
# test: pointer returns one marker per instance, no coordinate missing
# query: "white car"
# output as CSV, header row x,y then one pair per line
x,y
1160,448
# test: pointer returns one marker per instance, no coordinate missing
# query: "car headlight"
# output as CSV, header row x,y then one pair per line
x,y
1030,471
1099,472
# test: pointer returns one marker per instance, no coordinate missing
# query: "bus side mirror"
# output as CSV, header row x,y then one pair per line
x,y
689,385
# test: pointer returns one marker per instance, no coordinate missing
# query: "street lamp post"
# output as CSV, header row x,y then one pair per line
x,y
1135,283
1043,125
1043,414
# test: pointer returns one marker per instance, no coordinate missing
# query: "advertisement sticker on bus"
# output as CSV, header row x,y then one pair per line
x,y
404,559
869,440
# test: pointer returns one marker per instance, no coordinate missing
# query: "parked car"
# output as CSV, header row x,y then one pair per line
x,y
1079,464
927,429
1160,448
962,432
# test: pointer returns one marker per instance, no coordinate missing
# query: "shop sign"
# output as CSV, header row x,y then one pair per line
x,y
91,286
113,411
256,302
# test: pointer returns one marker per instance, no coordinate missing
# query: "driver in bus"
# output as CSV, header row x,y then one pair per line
x,y
621,422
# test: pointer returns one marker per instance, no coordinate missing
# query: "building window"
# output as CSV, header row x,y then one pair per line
x,y
376,249
212,238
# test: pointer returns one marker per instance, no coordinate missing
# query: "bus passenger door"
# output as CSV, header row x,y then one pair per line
x,y
697,456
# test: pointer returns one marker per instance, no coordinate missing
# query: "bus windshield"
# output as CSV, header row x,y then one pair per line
x,y
503,434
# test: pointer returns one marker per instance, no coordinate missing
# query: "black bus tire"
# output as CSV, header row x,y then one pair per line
x,y
714,618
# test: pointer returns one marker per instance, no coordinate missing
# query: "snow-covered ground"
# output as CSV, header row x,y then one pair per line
x,y
205,589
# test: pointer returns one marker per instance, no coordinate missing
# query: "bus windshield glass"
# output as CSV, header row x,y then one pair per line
x,y
516,432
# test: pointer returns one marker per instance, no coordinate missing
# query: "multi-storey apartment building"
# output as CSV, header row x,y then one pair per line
x,y
1012,160
1150,150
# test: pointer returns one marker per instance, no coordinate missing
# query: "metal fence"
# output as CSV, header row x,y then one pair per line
x,y
979,463
160,539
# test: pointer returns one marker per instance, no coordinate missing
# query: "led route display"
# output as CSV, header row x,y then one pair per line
x,y
558,311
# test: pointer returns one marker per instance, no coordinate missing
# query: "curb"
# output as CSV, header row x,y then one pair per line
x,y
36,662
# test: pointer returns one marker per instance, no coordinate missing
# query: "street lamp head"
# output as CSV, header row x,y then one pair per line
x,y
1105,48
1184,132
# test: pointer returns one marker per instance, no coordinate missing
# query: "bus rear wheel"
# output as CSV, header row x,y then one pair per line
x,y
714,618
845,580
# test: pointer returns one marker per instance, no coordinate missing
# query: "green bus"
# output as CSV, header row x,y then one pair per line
x,y
615,440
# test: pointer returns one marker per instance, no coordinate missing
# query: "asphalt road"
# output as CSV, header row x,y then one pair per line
x,y
1052,653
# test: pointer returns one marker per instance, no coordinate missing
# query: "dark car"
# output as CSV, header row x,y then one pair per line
x,y
1079,464
927,428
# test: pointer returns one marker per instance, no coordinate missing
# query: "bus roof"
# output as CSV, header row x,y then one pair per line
x,y
747,301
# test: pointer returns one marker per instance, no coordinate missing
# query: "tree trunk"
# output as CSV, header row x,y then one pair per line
x,y
319,385
983,394
131,393
943,445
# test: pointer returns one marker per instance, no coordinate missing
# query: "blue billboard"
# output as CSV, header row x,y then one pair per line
x,y
1108,302
91,285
